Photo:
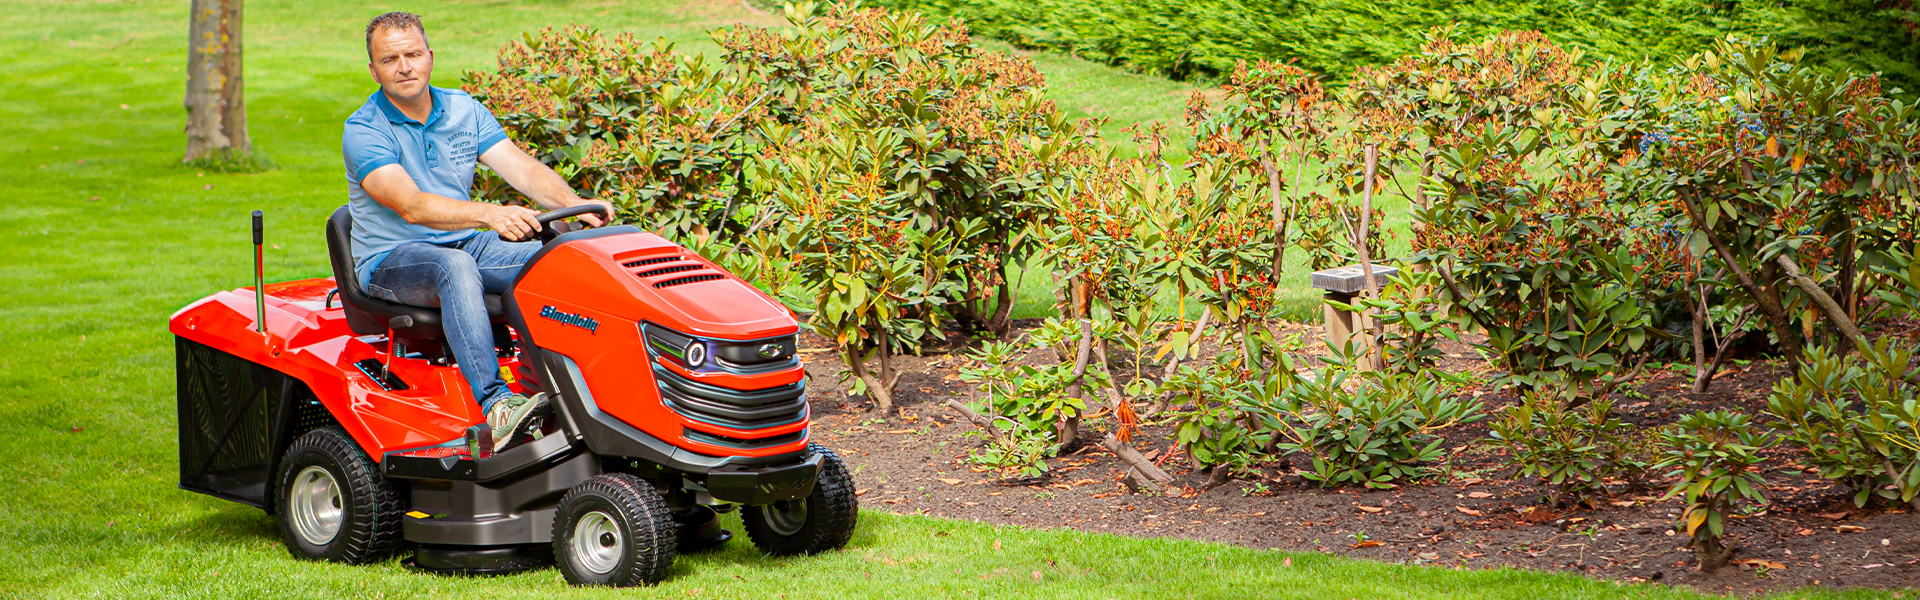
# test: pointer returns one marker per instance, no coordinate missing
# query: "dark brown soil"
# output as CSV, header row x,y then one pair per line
x,y
914,462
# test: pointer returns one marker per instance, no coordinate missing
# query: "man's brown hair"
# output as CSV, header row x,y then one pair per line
x,y
394,20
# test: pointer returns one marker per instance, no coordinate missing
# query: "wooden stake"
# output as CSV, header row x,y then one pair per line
x,y
1366,257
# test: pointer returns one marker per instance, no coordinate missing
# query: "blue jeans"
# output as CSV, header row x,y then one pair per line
x,y
453,278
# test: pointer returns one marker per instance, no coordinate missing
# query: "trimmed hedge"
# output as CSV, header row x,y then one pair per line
x,y
1204,38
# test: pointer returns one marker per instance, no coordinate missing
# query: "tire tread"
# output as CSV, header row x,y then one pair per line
x,y
651,526
833,513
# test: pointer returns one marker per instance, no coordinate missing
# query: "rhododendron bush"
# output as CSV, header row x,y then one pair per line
x,y
885,176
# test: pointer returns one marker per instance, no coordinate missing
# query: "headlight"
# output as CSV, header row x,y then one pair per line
x,y
696,354
735,356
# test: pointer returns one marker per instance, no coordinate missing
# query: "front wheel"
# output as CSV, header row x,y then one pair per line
x,y
614,529
822,521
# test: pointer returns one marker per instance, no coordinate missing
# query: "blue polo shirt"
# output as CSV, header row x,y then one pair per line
x,y
439,155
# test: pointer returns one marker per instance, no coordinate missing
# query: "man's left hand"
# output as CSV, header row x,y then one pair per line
x,y
594,218
538,181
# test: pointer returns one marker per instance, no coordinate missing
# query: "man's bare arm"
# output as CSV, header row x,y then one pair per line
x,y
391,186
537,181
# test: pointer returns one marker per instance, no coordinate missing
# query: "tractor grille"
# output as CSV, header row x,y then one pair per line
x,y
734,409
745,444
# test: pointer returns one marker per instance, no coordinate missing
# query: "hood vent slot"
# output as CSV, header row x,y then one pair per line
x,y
650,261
688,279
667,270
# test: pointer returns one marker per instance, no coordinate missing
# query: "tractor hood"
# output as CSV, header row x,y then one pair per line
x,y
641,277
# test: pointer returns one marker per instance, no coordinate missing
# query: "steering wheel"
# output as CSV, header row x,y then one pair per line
x,y
551,227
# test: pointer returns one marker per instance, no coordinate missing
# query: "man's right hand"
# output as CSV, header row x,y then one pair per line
x,y
391,186
513,223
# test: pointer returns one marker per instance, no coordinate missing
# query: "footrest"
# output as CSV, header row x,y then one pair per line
x,y
453,463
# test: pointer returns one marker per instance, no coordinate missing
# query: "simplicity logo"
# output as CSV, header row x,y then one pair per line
x,y
582,322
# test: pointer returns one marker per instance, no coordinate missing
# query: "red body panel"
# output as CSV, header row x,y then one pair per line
x,y
312,343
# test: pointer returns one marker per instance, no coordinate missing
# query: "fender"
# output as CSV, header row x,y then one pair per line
x,y
312,345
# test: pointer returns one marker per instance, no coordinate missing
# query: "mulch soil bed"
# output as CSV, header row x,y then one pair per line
x,y
914,462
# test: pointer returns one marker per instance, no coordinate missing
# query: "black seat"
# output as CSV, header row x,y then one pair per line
x,y
367,315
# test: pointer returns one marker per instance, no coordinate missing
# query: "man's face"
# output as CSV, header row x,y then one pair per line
x,y
401,62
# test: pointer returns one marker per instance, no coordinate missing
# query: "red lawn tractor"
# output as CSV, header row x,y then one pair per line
x,y
675,394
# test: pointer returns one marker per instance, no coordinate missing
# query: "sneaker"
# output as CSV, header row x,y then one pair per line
x,y
510,413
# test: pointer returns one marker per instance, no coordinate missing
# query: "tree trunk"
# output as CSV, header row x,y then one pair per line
x,y
1848,273
1218,476
216,110
1793,340
888,376
1420,193
1699,302
1069,427
1712,552
1458,297
1002,320
1279,216
876,389
1769,304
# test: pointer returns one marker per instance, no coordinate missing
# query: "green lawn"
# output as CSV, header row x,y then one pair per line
x,y
106,236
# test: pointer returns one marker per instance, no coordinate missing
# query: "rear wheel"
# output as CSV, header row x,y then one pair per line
x,y
822,521
614,529
333,504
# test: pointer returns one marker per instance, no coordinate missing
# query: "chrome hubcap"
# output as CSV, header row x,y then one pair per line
x,y
786,517
315,502
596,543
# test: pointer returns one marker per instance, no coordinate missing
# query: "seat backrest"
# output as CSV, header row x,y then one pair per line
x,y
340,253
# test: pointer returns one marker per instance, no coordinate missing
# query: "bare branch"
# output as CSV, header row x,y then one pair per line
x,y
1834,312
977,420
1138,466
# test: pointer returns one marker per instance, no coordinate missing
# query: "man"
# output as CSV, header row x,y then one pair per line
x,y
410,153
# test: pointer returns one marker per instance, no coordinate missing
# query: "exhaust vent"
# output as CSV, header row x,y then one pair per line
x,y
688,279
667,270
650,261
